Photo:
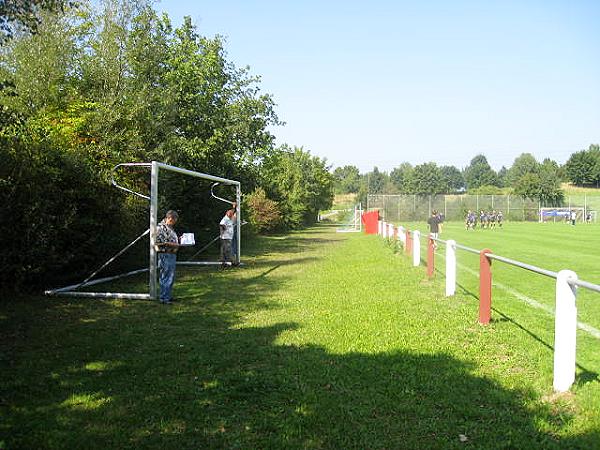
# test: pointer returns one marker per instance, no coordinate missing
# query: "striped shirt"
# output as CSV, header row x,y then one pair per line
x,y
164,233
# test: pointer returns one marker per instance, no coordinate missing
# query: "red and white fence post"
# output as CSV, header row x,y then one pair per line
x,y
485,287
416,248
450,267
565,331
430,256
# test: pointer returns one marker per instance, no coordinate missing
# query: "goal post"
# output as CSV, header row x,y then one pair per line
x,y
563,214
155,169
355,223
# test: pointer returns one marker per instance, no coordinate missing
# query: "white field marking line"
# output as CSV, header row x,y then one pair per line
x,y
550,310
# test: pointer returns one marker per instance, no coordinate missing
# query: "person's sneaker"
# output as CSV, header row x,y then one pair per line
x,y
166,302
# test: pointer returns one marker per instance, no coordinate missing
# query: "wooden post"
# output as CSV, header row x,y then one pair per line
x,y
485,287
430,257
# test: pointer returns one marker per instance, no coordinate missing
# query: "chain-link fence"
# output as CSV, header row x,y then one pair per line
x,y
407,207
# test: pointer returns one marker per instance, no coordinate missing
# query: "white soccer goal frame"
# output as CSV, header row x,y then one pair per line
x,y
152,294
578,209
355,224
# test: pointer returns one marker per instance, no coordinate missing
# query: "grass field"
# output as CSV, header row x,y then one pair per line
x,y
323,340
550,246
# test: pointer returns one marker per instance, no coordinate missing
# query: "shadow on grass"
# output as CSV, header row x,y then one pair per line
x,y
104,374
583,377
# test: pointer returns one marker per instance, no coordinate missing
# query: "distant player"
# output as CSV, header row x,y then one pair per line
x,y
492,219
483,219
470,220
434,225
499,218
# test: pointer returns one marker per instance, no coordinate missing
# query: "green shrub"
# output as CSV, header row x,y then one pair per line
x,y
263,213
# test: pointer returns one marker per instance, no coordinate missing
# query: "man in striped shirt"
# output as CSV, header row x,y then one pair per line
x,y
167,244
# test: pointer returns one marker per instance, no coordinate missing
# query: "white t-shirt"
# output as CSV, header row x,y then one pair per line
x,y
228,224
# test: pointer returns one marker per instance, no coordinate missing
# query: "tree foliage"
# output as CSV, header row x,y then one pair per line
x,y
479,173
300,183
263,213
583,167
401,177
452,179
347,179
115,82
24,15
524,164
427,179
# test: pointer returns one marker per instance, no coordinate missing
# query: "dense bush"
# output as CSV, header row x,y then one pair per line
x,y
263,213
300,184
60,218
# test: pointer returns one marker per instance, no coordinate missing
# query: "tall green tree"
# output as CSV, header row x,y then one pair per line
x,y
522,165
93,87
452,179
502,177
479,173
542,185
300,183
41,69
583,167
401,177
427,179
347,179
376,181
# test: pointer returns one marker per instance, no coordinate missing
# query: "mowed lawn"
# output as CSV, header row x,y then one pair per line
x,y
322,340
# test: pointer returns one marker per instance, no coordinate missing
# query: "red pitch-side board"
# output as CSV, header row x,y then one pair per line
x,y
370,220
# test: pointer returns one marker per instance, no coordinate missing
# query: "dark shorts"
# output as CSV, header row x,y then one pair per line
x,y
226,254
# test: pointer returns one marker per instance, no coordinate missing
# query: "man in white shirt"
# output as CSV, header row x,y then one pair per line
x,y
226,229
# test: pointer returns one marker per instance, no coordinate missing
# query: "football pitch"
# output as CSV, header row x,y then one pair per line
x,y
549,246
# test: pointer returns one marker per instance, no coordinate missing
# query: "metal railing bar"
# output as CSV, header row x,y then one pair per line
x,y
468,249
585,284
529,267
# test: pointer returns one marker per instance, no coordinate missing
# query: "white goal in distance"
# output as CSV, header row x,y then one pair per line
x,y
563,214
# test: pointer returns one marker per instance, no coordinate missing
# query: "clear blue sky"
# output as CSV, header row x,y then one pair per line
x,y
377,83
